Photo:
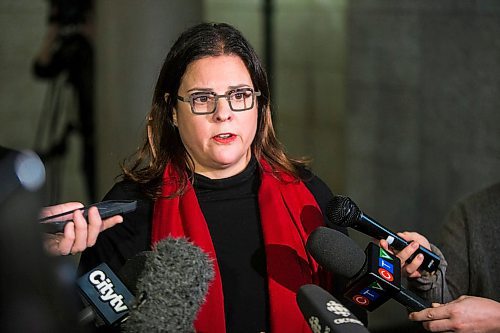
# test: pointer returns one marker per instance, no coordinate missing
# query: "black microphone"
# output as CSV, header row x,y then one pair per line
x,y
342,211
108,298
169,284
324,313
375,276
173,284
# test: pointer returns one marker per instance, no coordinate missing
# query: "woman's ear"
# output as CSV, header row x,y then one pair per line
x,y
174,117
174,111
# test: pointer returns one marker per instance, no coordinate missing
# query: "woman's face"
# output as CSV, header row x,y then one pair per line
x,y
219,143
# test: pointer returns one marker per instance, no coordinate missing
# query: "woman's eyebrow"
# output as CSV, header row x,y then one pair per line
x,y
238,86
200,89
211,90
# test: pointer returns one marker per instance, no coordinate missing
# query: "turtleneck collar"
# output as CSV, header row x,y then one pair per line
x,y
202,183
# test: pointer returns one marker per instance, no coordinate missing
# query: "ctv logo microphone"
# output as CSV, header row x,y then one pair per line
x,y
378,281
106,293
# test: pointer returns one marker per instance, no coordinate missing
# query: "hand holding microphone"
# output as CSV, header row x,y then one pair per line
x,y
410,263
374,276
342,211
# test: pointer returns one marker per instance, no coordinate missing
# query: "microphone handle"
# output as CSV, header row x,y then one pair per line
x,y
86,316
371,227
413,302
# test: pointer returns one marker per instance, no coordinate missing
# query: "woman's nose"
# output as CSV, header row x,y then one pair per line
x,y
223,111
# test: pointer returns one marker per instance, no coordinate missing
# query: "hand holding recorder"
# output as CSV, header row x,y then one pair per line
x,y
70,228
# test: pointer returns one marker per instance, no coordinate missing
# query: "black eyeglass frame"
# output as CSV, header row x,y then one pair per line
x,y
227,96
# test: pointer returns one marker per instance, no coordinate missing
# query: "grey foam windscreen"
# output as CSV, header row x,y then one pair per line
x,y
335,251
174,283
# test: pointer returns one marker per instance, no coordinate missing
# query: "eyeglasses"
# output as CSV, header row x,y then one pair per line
x,y
205,102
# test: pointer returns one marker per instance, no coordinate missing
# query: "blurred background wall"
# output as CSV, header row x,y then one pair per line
x,y
396,101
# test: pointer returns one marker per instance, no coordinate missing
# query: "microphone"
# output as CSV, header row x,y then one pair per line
x,y
169,284
375,276
109,299
22,169
342,211
173,284
324,313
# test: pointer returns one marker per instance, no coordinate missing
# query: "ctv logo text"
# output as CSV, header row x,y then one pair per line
x,y
375,289
385,268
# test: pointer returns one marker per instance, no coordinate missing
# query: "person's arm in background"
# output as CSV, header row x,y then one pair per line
x,y
465,314
452,278
78,235
456,246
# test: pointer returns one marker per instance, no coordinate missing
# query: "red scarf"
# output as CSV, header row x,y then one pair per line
x,y
288,212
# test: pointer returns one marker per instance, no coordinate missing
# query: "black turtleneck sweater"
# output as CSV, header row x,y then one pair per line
x,y
231,209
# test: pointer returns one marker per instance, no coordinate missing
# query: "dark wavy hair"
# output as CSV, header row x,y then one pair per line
x,y
162,144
